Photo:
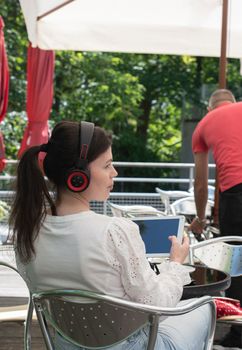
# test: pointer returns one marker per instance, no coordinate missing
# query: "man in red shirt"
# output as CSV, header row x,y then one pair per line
x,y
221,132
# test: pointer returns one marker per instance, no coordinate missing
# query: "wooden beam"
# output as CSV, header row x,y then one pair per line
x,y
222,85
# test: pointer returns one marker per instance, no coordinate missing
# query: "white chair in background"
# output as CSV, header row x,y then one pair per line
x,y
211,192
168,196
187,207
22,313
131,211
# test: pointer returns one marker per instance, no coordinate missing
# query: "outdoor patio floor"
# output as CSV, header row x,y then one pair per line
x,y
13,292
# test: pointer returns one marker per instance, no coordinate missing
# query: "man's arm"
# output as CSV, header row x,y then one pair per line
x,y
200,190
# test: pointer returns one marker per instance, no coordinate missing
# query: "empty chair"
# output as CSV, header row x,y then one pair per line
x,y
95,321
7,255
167,196
211,192
187,207
25,312
130,211
218,254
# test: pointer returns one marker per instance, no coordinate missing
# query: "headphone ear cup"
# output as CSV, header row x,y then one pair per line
x,y
78,180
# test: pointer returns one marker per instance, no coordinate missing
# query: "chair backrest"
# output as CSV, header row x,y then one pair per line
x,y
211,192
131,211
29,314
187,206
216,253
95,321
167,196
7,255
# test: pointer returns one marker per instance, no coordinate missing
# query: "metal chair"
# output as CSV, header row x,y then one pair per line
x,y
167,196
218,254
27,314
96,321
211,192
187,207
131,211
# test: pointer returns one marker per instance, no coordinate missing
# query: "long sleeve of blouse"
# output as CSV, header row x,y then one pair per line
x,y
126,253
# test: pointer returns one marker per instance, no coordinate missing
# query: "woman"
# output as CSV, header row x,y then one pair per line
x,y
66,245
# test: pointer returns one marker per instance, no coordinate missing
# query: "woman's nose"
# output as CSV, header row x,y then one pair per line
x,y
115,173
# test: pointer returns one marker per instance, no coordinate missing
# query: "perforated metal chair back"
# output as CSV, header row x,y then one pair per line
x,y
217,254
78,321
96,321
87,320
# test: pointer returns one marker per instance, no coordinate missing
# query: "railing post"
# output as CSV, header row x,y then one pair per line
x,y
191,176
105,208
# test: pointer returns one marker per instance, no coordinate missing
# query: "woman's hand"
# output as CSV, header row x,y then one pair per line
x,y
179,251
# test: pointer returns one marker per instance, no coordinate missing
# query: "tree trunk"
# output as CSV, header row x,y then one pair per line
x,y
143,119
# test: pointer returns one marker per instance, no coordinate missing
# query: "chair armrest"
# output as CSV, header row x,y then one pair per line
x,y
194,246
159,311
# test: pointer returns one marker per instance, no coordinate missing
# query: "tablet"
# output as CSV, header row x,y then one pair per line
x,y
155,231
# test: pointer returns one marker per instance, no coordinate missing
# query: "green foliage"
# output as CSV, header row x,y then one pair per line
x,y
12,128
141,98
4,211
16,44
93,88
136,96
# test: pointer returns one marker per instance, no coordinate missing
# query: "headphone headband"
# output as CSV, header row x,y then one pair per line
x,y
78,177
86,130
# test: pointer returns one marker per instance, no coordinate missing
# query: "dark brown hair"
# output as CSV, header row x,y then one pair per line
x,y
32,196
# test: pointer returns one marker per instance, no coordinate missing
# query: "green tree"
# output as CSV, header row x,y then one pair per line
x,y
141,98
16,44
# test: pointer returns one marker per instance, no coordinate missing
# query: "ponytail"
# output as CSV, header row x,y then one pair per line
x,y
29,206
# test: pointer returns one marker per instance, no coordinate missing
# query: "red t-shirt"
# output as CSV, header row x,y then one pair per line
x,y
221,131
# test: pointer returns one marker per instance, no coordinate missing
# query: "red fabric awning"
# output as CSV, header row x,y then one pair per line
x,y
4,89
40,71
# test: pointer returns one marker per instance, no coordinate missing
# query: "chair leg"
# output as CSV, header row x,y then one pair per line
x,y
27,326
154,324
44,328
212,328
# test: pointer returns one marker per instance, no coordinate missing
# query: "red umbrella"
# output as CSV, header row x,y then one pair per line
x,y
4,87
40,70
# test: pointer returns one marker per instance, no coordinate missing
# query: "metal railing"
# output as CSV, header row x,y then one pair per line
x,y
178,180
188,180
122,197
151,198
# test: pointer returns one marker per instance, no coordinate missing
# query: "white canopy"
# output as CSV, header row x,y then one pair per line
x,y
156,26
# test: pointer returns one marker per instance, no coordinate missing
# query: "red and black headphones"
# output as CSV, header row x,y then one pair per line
x,y
78,177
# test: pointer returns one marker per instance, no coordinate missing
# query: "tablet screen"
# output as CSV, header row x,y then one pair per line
x,y
156,230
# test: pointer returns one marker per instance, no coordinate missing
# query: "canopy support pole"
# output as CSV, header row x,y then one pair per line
x,y
223,52
54,9
222,85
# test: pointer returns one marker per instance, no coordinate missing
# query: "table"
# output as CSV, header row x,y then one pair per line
x,y
206,281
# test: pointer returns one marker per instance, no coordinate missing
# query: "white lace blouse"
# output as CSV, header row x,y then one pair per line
x,y
100,253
